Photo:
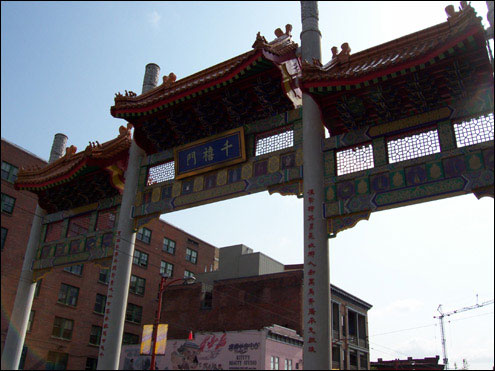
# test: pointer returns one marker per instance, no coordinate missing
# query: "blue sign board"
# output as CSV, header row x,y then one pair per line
x,y
210,153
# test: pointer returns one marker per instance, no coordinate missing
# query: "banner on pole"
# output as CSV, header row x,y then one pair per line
x,y
146,339
161,339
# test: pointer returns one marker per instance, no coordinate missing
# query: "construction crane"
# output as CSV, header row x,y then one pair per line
x,y
442,315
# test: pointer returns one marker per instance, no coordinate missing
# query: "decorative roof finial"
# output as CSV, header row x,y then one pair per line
x,y
334,52
288,29
343,56
316,62
464,5
125,131
450,10
170,79
280,33
259,42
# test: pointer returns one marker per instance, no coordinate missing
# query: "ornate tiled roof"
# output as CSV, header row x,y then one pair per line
x,y
64,169
394,56
279,50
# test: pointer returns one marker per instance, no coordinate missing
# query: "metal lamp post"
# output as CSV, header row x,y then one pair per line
x,y
162,288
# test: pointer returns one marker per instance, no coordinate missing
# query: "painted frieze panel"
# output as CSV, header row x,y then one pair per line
x,y
422,158
262,155
77,236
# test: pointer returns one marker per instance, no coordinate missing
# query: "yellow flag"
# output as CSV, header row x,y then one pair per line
x,y
146,339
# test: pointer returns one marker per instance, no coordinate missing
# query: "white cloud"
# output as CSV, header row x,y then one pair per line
x,y
154,18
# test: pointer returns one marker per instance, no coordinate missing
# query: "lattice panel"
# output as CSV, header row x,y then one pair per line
x,y
161,173
475,131
413,146
354,159
274,142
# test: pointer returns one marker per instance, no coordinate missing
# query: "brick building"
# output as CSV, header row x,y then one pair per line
x,y
251,291
428,363
67,313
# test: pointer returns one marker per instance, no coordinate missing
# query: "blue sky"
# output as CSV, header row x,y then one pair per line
x,y
63,62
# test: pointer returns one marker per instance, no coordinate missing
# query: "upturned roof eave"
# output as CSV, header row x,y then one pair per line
x,y
51,175
266,53
311,82
115,111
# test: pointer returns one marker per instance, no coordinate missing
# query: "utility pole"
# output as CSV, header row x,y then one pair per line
x,y
441,317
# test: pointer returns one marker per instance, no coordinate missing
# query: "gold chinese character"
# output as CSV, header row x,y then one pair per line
x,y
208,154
191,157
226,147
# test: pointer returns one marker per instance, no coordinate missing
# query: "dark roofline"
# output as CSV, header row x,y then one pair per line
x,y
335,289
186,233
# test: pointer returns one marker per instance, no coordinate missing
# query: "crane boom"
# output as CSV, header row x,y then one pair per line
x,y
441,317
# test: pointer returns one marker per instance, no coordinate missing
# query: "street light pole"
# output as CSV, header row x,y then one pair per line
x,y
162,288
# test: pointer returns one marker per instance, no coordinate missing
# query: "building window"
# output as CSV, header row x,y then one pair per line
x,y
7,203
23,358
4,236
288,364
207,300
95,335
336,354
62,328
363,360
273,363
191,255
168,246
68,295
129,338
57,361
74,269
101,301
353,361
91,363
30,320
140,258
192,242
38,288
166,269
133,313
104,275
144,234
9,172
188,274
137,285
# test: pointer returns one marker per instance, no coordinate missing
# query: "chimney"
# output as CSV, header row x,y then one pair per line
x,y
58,147
151,75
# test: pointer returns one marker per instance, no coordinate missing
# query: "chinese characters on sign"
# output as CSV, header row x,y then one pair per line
x,y
113,271
210,153
309,277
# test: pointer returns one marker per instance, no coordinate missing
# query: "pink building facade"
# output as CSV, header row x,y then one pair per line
x,y
270,348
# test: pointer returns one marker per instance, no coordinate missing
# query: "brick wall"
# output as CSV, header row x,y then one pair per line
x,y
40,340
18,225
238,304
